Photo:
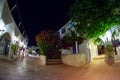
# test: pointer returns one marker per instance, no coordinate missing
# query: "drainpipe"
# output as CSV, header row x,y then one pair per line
x,y
76,45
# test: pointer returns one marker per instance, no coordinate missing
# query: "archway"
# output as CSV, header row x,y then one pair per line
x,y
5,43
100,46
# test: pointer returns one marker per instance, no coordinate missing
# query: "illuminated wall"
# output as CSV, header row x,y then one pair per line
x,y
108,35
8,25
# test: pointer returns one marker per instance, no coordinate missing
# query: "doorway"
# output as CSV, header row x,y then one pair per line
x,y
101,50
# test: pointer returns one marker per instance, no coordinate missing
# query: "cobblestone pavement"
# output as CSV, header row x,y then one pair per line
x,y
29,69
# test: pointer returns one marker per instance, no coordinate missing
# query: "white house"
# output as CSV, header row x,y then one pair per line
x,y
83,53
9,31
76,55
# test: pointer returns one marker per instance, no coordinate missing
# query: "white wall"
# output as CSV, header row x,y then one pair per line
x,y
8,24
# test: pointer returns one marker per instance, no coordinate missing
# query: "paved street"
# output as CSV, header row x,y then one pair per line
x,y
29,69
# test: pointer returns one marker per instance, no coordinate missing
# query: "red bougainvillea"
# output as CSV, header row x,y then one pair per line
x,y
51,39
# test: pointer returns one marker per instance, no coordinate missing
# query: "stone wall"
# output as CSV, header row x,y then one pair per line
x,y
76,60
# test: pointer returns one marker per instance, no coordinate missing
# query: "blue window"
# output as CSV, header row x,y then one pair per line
x,y
71,24
63,30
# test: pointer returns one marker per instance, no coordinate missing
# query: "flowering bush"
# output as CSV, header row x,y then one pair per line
x,y
49,43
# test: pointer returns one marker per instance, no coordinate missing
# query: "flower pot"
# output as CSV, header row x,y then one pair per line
x,y
42,60
109,60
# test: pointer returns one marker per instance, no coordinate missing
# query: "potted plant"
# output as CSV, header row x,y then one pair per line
x,y
49,44
14,50
109,54
43,46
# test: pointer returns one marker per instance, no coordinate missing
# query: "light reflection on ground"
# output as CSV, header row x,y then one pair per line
x,y
30,69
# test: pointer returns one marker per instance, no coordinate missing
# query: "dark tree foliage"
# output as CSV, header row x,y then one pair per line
x,y
94,17
70,38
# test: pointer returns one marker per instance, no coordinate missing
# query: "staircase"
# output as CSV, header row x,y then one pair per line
x,y
54,61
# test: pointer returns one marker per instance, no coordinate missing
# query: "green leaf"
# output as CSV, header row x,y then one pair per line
x,y
101,15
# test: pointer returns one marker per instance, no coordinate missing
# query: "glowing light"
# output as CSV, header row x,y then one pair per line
x,y
15,39
21,44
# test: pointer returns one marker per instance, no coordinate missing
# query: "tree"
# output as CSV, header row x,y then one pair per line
x,y
70,38
49,43
94,17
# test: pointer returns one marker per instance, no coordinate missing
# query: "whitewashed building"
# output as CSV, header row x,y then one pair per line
x,y
85,52
10,33
76,55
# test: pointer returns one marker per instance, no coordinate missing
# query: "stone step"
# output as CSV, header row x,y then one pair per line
x,y
99,57
53,61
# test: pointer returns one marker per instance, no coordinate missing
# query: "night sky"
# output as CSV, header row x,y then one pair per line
x,y
37,15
